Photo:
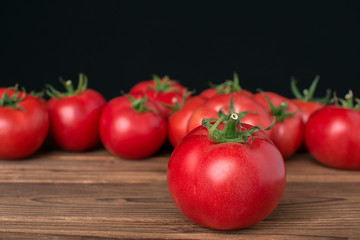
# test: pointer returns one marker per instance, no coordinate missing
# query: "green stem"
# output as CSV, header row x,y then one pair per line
x,y
308,94
348,102
14,99
279,112
230,129
69,87
229,86
163,85
295,90
139,104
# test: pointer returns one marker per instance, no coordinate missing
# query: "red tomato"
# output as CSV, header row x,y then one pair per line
x,y
132,129
74,116
178,122
288,129
332,137
226,185
24,123
165,92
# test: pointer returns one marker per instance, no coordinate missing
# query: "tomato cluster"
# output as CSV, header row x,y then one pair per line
x,y
227,168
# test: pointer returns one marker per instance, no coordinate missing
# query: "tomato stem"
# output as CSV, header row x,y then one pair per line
x,y
278,112
176,106
14,100
231,132
163,85
139,104
229,86
348,102
308,94
68,85
230,129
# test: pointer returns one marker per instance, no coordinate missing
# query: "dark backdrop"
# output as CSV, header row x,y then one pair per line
x,y
118,43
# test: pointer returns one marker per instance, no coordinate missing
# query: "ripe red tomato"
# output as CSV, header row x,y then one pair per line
x,y
332,137
226,185
288,130
24,123
132,129
166,93
178,122
74,116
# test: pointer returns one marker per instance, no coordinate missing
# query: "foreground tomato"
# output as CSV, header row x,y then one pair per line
x,y
24,123
288,130
228,179
132,129
166,93
74,116
332,135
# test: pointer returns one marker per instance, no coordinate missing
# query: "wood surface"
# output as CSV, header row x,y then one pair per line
x,y
94,195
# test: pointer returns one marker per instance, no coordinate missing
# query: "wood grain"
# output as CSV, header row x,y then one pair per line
x,y
94,195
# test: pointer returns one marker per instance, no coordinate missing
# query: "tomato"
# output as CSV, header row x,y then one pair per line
x,y
306,101
288,130
332,137
132,129
166,93
74,116
226,185
178,122
24,123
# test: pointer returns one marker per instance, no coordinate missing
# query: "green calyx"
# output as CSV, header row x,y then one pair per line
x,y
163,85
176,106
37,94
14,100
308,94
230,133
279,112
228,86
139,104
70,91
348,101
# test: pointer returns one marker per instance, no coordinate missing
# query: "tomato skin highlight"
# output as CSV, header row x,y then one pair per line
x,y
226,186
128,134
74,120
332,137
22,132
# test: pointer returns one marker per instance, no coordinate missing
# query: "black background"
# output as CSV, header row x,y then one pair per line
x,y
118,43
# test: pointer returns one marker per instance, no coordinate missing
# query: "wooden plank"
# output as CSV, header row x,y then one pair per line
x,y
93,195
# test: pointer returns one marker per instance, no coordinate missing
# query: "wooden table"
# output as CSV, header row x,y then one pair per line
x,y
94,195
